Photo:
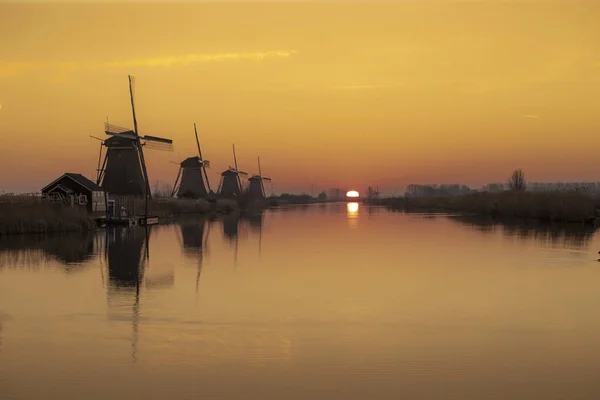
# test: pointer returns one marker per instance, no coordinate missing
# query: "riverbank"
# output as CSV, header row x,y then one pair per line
x,y
32,215
26,214
541,206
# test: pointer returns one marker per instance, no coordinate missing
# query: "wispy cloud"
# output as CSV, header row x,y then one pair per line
x,y
363,87
17,68
197,59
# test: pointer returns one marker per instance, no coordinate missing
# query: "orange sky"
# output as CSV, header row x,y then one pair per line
x,y
330,94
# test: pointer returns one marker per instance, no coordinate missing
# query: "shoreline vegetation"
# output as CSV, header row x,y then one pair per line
x,y
27,214
24,214
576,205
549,207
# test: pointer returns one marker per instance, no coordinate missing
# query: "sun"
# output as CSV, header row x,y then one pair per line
x,y
352,193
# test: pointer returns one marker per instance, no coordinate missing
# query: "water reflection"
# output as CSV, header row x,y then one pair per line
x,y
352,213
194,241
255,219
429,307
193,236
571,235
126,256
70,250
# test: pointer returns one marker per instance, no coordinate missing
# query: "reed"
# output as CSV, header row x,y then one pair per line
x,y
29,214
555,206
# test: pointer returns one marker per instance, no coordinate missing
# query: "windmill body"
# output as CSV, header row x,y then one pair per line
x,y
123,174
192,182
192,179
230,184
256,187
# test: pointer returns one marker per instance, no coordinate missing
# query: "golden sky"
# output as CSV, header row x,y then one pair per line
x,y
330,94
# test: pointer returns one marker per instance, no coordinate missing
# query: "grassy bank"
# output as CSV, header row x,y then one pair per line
x,y
26,214
542,206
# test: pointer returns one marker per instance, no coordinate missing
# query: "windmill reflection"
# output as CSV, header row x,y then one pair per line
x,y
231,230
126,257
255,219
194,239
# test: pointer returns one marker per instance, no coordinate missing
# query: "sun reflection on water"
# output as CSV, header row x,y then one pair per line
x,y
352,213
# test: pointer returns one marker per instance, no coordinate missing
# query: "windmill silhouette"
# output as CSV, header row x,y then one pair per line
x,y
123,171
192,180
256,187
231,185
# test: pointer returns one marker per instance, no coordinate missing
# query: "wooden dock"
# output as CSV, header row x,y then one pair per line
x,y
127,221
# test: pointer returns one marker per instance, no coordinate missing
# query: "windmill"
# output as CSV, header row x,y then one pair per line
x,y
123,171
231,185
190,178
256,187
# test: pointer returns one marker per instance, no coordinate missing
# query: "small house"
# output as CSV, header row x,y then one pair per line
x,y
76,189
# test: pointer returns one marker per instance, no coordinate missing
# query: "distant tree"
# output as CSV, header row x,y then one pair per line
x,y
322,196
370,192
517,180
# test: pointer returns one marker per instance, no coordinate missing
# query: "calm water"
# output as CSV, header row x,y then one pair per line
x,y
320,302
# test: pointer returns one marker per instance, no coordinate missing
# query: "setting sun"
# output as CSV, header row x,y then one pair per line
x,y
352,193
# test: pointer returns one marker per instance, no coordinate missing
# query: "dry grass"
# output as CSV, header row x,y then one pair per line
x,y
545,206
28,214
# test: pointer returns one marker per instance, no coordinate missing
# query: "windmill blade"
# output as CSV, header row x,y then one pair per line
x,y
206,163
131,89
259,172
266,179
111,129
177,183
99,161
158,145
173,162
97,138
149,138
197,141
126,135
242,173
234,157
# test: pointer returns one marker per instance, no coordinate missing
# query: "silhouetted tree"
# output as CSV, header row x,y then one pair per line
x,y
517,180
322,196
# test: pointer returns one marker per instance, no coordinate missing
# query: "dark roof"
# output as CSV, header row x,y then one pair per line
x,y
80,179
191,162
83,181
